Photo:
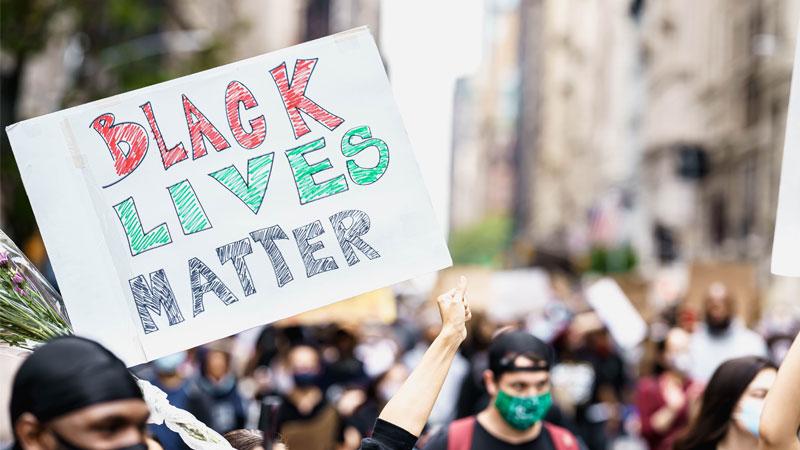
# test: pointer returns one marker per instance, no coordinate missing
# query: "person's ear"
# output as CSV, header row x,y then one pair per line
x,y
489,381
30,433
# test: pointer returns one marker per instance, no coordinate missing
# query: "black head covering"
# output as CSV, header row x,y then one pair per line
x,y
66,374
507,347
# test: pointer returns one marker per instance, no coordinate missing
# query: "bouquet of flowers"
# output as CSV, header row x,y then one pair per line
x,y
32,312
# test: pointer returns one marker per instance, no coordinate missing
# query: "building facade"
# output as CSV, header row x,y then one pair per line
x,y
578,122
717,76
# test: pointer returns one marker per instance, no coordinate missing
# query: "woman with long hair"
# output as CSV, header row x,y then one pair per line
x,y
731,407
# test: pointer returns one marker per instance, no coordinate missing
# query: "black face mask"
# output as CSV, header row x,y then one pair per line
x,y
305,379
64,444
718,327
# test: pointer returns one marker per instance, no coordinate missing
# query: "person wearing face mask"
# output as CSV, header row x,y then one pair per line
x,y
169,379
213,395
780,418
72,393
663,399
403,417
305,419
731,406
599,418
721,337
358,407
518,382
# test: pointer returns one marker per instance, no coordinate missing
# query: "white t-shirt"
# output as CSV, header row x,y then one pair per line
x,y
708,351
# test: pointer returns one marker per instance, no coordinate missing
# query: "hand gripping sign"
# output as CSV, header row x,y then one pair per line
x,y
197,208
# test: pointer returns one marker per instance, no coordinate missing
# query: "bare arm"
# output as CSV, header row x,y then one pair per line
x,y
410,407
663,418
780,418
675,402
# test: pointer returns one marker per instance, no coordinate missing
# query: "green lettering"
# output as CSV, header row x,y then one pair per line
x,y
250,192
307,188
364,175
138,240
190,212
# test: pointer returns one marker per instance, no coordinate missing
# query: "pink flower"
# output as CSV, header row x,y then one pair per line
x,y
3,259
19,291
18,278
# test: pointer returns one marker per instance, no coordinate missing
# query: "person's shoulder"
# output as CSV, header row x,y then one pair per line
x,y
437,439
562,438
747,333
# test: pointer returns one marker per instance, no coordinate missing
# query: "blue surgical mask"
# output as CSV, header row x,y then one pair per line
x,y
750,415
169,364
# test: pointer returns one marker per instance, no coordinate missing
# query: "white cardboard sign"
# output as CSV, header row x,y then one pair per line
x,y
617,312
786,243
200,207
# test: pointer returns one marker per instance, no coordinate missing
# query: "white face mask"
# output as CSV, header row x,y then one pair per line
x,y
749,416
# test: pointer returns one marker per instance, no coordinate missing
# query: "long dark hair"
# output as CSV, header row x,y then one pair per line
x,y
727,385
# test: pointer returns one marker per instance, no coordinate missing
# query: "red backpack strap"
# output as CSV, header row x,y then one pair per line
x,y
459,434
562,438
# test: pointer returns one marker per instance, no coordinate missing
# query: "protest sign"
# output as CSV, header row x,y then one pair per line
x,y
193,209
786,242
617,312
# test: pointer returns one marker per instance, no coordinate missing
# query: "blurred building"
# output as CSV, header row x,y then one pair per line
x,y
568,74
267,25
485,122
580,139
717,76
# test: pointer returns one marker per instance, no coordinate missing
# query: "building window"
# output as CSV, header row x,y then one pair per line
x,y
753,95
718,224
750,194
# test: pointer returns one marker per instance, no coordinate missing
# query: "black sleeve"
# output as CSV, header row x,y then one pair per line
x,y
387,436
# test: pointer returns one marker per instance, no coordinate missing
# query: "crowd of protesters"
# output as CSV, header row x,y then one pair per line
x,y
483,384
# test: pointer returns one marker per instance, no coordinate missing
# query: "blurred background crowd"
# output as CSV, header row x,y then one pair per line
x,y
561,141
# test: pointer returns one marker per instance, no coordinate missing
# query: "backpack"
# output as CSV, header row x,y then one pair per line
x,y
459,435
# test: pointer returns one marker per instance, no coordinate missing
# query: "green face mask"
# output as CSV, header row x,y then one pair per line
x,y
523,412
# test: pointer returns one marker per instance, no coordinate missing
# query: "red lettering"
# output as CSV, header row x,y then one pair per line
x,y
235,94
114,135
295,100
200,127
168,156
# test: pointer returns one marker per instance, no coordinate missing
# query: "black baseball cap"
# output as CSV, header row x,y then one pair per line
x,y
66,374
507,347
